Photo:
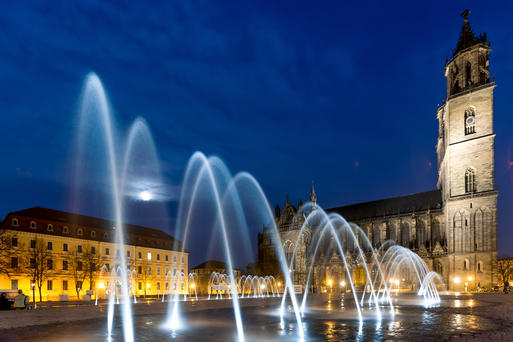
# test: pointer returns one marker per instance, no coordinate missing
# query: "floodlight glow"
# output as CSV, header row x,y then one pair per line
x,y
456,280
343,283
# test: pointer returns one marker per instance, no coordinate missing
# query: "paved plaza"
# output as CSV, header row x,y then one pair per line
x,y
472,317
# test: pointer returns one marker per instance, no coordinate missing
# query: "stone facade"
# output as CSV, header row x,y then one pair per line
x,y
453,228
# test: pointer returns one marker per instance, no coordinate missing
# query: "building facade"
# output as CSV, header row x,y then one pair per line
x,y
204,273
63,252
453,228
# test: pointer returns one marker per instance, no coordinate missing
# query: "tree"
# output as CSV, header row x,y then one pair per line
x,y
505,268
39,263
92,263
5,252
78,269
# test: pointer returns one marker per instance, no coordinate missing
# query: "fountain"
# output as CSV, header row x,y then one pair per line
x,y
232,197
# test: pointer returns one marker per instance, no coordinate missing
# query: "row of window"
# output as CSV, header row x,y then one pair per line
x,y
14,243
466,266
78,285
65,230
140,286
65,266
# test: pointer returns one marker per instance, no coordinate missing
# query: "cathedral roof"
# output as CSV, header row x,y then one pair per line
x,y
467,37
421,201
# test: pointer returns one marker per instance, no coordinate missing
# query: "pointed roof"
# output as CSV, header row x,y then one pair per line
x,y
313,196
467,37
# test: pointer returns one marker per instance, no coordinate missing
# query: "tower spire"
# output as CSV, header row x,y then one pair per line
x,y
313,196
467,37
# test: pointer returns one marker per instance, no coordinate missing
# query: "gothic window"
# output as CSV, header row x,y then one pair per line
x,y
470,181
375,236
421,233
33,225
470,121
405,234
435,232
439,268
65,230
468,74
390,232
14,222
49,227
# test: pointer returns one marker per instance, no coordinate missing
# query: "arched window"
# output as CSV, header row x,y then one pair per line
x,y
65,230
421,233
439,268
80,231
93,234
49,227
390,232
466,265
33,225
435,232
470,121
14,222
470,181
479,266
105,235
376,236
468,74
405,235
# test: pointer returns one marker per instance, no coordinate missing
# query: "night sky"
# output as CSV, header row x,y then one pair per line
x,y
343,93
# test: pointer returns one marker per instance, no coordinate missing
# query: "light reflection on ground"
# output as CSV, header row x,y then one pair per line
x,y
333,321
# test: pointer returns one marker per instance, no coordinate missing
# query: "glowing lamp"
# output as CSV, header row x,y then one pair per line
x,y
469,278
101,285
397,282
456,280
262,286
193,285
279,283
343,283
147,285
330,282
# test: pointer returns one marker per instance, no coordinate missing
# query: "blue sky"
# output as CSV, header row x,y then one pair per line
x,y
344,94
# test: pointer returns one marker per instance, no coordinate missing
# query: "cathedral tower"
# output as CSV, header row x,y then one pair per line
x,y
465,152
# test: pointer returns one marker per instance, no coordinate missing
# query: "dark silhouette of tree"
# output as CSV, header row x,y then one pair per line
x,y
39,263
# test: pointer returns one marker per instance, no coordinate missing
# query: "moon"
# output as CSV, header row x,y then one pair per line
x,y
145,195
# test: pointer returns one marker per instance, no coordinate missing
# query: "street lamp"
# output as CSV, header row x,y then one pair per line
x,y
33,287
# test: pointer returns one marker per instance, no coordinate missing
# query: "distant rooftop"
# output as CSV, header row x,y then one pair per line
x,y
134,234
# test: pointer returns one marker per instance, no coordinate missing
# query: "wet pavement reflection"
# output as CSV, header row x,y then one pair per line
x,y
333,321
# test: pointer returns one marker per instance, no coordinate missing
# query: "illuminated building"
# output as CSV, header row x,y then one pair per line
x,y
453,228
72,243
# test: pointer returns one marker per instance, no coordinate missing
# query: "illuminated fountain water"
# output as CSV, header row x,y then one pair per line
x,y
233,197
140,174
258,286
387,265
210,178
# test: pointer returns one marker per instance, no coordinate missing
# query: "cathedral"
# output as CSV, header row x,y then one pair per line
x,y
452,228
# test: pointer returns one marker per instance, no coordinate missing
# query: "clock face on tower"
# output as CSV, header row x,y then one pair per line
x,y
470,121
